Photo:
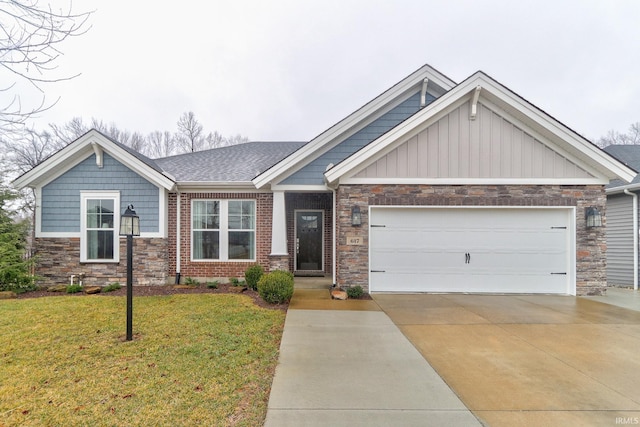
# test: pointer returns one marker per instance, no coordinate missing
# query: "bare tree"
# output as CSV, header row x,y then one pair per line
x,y
31,35
161,144
632,137
189,134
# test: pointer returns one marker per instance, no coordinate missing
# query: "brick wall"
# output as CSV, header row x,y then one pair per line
x,y
590,243
217,269
59,258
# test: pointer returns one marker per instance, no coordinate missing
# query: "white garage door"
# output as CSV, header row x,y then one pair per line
x,y
503,250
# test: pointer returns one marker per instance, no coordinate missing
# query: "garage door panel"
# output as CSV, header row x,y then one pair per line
x,y
469,250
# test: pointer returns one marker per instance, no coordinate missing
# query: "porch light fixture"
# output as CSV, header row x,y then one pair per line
x,y
356,216
593,217
129,226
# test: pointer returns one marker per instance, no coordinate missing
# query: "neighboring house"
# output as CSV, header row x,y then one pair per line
x,y
432,186
622,221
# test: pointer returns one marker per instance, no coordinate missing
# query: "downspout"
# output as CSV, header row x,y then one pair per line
x,y
178,216
635,237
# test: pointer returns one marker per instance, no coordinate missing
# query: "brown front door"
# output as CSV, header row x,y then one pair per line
x,y
309,240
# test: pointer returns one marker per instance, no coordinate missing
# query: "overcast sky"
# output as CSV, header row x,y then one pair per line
x,y
288,70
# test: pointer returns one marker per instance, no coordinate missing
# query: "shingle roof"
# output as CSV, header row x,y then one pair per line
x,y
234,163
144,159
630,156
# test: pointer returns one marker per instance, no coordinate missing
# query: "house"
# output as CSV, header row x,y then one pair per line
x,y
622,221
433,186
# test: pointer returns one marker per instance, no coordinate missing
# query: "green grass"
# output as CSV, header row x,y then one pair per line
x,y
195,360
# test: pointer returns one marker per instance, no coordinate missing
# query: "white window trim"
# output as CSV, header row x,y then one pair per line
x,y
84,196
224,231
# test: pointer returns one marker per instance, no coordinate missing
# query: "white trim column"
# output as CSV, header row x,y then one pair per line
x,y
279,225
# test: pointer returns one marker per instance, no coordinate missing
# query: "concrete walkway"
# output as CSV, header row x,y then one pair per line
x,y
344,363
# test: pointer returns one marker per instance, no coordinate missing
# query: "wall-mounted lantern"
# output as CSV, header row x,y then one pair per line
x,y
356,216
593,217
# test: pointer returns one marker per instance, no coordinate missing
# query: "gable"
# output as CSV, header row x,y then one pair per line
x,y
484,142
490,146
60,198
425,80
313,173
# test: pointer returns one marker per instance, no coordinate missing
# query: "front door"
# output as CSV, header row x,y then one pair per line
x,y
309,240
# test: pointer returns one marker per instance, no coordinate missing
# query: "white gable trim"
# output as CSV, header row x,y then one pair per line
x,y
550,129
85,146
351,124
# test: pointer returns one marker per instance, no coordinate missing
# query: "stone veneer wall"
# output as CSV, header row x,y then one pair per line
x,y
352,263
217,269
59,258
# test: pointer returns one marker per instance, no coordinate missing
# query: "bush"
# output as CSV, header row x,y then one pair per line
x,y
72,289
355,291
252,275
191,281
235,281
112,287
213,285
276,287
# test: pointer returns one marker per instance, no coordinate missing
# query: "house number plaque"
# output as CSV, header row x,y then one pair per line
x,y
354,240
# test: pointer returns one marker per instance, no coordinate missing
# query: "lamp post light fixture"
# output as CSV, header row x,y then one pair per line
x,y
129,226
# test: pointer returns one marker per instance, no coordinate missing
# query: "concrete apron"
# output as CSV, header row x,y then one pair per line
x,y
344,363
529,360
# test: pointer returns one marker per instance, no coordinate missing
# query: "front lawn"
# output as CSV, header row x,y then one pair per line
x,y
196,360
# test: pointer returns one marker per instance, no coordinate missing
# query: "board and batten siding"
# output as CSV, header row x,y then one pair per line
x,y
488,147
60,199
313,173
619,240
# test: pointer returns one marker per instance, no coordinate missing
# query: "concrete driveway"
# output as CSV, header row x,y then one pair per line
x,y
528,360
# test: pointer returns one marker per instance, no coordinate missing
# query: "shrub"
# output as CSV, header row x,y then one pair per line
x,y
355,291
213,285
276,287
112,287
235,281
252,275
191,281
72,289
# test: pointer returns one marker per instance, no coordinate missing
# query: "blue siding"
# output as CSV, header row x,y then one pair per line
x,y
313,173
61,197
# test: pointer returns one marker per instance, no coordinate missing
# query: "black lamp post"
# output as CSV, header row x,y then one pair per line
x,y
129,226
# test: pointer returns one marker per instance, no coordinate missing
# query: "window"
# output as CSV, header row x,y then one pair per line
x,y
223,230
100,217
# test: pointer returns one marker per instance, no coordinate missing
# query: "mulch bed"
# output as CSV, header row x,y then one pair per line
x,y
145,291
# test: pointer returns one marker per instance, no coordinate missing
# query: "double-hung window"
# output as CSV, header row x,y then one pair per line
x,y
99,241
223,230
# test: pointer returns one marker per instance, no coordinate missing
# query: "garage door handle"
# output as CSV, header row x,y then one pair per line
x,y
467,258
378,271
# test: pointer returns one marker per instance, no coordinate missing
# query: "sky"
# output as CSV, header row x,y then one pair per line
x,y
288,70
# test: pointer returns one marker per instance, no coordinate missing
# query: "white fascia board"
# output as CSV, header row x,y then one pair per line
x,y
310,150
459,94
215,186
620,189
79,150
301,188
474,181
607,164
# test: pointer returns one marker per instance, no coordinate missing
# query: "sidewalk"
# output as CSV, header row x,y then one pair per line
x,y
351,366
